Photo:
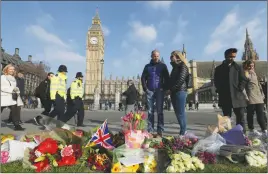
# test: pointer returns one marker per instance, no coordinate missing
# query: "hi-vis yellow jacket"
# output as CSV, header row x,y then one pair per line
x,y
77,89
58,85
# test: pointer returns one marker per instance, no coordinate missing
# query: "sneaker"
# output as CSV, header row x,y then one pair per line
x,y
37,120
254,133
265,134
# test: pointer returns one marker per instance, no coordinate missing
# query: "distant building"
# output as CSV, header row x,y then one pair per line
x,y
34,73
206,92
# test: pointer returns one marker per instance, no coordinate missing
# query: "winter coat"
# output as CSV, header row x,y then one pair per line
x,y
178,77
230,82
155,76
8,83
131,95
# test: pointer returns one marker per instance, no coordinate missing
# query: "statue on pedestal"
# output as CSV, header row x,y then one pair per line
x,y
96,97
117,98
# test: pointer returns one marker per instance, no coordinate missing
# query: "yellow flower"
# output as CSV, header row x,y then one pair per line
x,y
61,146
5,138
41,158
94,167
135,167
55,164
91,144
138,116
116,168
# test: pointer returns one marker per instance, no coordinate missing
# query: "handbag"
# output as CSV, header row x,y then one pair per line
x,y
14,94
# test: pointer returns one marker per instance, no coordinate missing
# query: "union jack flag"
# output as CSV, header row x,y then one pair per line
x,y
102,136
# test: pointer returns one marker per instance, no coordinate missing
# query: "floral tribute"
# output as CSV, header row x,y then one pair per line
x,y
51,153
119,168
207,158
182,162
134,125
99,162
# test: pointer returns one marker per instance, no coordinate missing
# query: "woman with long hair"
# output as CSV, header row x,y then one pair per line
x,y
178,87
255,99
10,95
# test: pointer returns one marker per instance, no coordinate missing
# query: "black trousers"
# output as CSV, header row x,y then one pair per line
x,y
59,108
259,109
14,114
239,113
77,106
47,104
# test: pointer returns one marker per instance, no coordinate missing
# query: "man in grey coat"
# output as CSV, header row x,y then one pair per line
x,y
230,81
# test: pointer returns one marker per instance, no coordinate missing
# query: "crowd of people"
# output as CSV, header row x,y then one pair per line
x,y
238,88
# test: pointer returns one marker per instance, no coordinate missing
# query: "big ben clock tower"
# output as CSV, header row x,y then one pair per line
x,y
94,55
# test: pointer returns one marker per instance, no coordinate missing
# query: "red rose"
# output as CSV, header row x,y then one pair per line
x,y
67,161
41,166
48,146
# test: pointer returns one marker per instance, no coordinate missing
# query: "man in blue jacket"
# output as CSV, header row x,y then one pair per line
x,y
154,79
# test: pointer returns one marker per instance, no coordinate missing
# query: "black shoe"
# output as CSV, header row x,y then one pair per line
x,y
18,128
81,125
37,120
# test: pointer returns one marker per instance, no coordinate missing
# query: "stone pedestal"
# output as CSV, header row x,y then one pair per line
x,y
117,100
96,102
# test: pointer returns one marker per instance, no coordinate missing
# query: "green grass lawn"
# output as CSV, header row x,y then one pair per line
x,y
223,167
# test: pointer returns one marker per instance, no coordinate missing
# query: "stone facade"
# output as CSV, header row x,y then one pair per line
x,y
34,73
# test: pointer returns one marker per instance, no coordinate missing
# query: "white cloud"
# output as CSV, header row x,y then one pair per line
x,y
144,33
54,47
45,36
164,5
231,32
105,30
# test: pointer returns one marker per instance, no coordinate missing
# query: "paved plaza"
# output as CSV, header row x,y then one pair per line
x,y
197,121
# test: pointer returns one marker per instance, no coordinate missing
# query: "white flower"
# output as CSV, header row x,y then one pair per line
x,y
171,169
38,153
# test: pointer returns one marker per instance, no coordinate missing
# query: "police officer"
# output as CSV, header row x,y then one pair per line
x,y
75,100
57,95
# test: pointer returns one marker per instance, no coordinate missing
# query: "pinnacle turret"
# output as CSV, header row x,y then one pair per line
x,y
249,52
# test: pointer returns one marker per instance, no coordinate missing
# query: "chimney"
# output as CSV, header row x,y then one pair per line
x,y
30,58
17,50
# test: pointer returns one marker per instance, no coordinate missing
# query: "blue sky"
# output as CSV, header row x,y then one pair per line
x,y
56,31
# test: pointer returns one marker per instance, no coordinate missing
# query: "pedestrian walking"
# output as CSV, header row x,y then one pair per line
x,y
197,105
21,85
10,95
230,81
255,99
178,88
131,95
155,77
57,95
75,102
43,92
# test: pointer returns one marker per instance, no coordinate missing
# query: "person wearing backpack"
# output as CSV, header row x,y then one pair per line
x,y
179,83
43,92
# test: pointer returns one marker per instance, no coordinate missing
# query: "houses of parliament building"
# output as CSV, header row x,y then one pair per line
x,y
203,88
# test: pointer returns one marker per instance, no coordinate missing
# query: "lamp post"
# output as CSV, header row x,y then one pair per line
x,y
102,62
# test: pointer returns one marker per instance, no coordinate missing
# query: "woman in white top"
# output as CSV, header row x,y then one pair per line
x,y
10,95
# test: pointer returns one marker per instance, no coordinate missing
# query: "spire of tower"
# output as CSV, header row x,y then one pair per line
x,y
183,49
97,17
162,60
249,52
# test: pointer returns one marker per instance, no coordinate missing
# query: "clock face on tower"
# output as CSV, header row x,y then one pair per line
x,y
93,40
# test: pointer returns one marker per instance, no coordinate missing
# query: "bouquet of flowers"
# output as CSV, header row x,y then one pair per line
x,y
134,121
134,125
256,158
51,153
182,162
99,162
119,168
207,158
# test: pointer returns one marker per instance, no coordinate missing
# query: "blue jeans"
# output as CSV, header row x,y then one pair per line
x,y
158,98
178,100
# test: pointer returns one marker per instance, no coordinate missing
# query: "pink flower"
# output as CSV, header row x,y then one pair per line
x,y
37,153
143,116
67,151
4,157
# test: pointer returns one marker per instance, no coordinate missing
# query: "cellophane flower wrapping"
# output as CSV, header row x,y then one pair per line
x,y
134,128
